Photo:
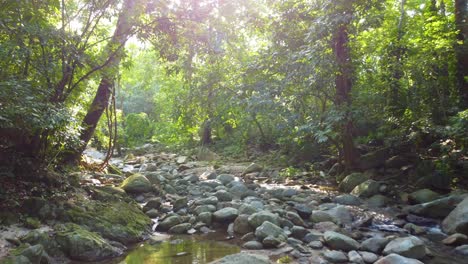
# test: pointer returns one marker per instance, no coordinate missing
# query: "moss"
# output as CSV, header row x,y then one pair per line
x,y
117,220
32,223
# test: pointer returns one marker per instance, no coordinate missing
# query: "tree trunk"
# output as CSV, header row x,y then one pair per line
x,y
343,84
115,47
461,21
397,53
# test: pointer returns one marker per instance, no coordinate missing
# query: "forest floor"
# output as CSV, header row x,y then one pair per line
x,y
193,211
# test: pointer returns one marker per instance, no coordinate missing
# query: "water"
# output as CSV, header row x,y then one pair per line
x,y
179,250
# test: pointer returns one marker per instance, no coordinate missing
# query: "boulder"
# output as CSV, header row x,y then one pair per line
x,y
225,179
439,208
180,228
339,241
169,222
423,196
257,219
410,247
351,181
225,215
137,183
253,245
80,244
457,220
335,256
241,225
374,244
243,258
347,199
366,189
223,196
269,229
377,200
253,167
397,259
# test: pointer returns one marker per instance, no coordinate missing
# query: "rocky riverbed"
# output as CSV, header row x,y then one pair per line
x,y
270,219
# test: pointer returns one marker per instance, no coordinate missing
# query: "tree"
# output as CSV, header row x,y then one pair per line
x,y
461,22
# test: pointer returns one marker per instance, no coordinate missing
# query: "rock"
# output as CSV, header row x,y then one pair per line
x,y
335,256
225,179
169,222
299,232
414,229
181,159
28,254
289,192
374,244
80,244
247,209
241,225
423,196
253,245
269,229
355,257
272,242
397,259
366,189
295,219
368,257
223,196
179,203
456,239
377,201
153,203
204,209
374,159
180,228
212,200
312,235
410,247
316,245
462,250
253,167
347,199
136,183
120,221
457,220
326,226
240,190
209,175
243,258
225,215
351,181
303,210
205,217
320,216
439,208
340,215
340,242
257,219
152,213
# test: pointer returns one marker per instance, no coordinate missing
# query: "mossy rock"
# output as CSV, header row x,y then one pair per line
x,y
80,244
33,253
137,183
32,223
351,181
109,193
37,237
117,220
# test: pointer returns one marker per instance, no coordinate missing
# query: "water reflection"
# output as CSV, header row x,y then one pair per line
x,y
180,251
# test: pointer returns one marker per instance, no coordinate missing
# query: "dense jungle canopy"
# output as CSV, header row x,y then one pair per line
x,y
304,79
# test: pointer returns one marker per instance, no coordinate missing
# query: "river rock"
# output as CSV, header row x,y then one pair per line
x,y
368,257
247,209
457,220
439,208
456,239
180,228
299,232
205,217
410,247
462,250
351,181
213,200
335,256
423,196
366,189
241,225
253,245
169,222
223,196
80,244
374,244
355,257
340,215
137,183
269,229
240,190
303,210
320,216
153,203
377,200
347,199
225,215
339,241
257,219
397,259
253,167
243,258
225,179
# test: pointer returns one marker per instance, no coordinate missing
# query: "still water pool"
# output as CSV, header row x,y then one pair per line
x,y
179,250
